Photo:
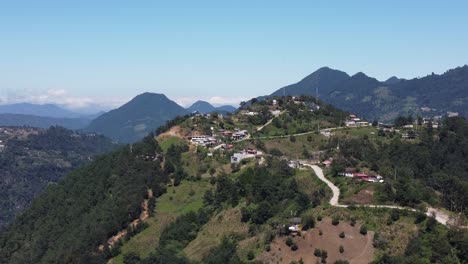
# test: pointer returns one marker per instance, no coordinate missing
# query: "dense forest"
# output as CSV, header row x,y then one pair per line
x,y
43,158
434,169
68,222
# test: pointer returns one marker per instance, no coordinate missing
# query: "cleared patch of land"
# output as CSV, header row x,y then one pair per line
x,y
357,248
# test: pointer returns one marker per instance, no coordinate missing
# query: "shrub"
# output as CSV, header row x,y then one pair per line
x,y
341,262
131,258
294,247
289,242
308,222
250,255
342,235
341,249
319,218
363,230
353,221
320,232
335,221
317,252
420,217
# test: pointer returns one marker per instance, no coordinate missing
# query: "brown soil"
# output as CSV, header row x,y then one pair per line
x,y
364,196
175,131
357,248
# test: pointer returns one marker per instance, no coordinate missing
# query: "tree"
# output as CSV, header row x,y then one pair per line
x,y
363,230
131,258
341,249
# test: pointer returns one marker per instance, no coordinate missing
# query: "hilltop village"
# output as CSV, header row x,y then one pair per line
x,y
281,180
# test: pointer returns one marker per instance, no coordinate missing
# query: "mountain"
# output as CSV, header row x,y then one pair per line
x,y
46,110
324,79
226,108
205,108
202,107
384,101
135,119
31,159
393,80
42,122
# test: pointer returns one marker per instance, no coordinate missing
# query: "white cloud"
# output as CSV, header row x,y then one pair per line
x,y
214,100
62,98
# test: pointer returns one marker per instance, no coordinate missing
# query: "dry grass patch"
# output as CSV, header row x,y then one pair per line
x,y
225,223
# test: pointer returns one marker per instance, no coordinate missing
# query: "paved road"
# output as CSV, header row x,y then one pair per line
x,y
439,215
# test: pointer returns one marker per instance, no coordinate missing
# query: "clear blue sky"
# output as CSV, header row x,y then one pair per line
x,y
105,52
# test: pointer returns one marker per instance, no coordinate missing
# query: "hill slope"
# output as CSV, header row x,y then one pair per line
x,y
135,119
32,159
373,99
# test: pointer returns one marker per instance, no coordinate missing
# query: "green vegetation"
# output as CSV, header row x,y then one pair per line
x,y
83,210
44,157
207,210
413,171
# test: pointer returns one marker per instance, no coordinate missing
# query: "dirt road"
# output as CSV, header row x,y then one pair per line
x,y
438,214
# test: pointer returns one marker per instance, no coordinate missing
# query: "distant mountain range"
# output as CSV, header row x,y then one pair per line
x,y
205,108
42,121
135,119
384,101
48,110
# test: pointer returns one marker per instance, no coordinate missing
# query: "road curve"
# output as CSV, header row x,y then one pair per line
x,y
438,215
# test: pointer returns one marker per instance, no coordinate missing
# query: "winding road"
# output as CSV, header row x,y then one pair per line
x,y
438,215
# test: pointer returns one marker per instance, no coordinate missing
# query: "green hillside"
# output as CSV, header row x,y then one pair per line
x,y
32,159
188,202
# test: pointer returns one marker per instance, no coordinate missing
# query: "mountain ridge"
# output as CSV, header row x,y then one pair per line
x,y
366,96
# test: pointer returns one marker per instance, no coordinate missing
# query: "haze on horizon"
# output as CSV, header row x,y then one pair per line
x,y
98,55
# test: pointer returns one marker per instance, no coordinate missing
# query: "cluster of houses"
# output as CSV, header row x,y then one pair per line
x,y
245,154
354,121
204,140
213,140
350,172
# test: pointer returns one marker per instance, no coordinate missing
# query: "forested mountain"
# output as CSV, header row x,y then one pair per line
x,y
205,108
45,110
42,121
32,159
163,200
68,222
135,119
373,99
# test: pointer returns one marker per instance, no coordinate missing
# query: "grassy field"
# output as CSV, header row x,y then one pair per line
x,y
307,183
186,197
295,150
225,223
167,141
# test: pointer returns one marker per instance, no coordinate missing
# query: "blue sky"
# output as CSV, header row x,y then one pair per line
x,y
102,53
